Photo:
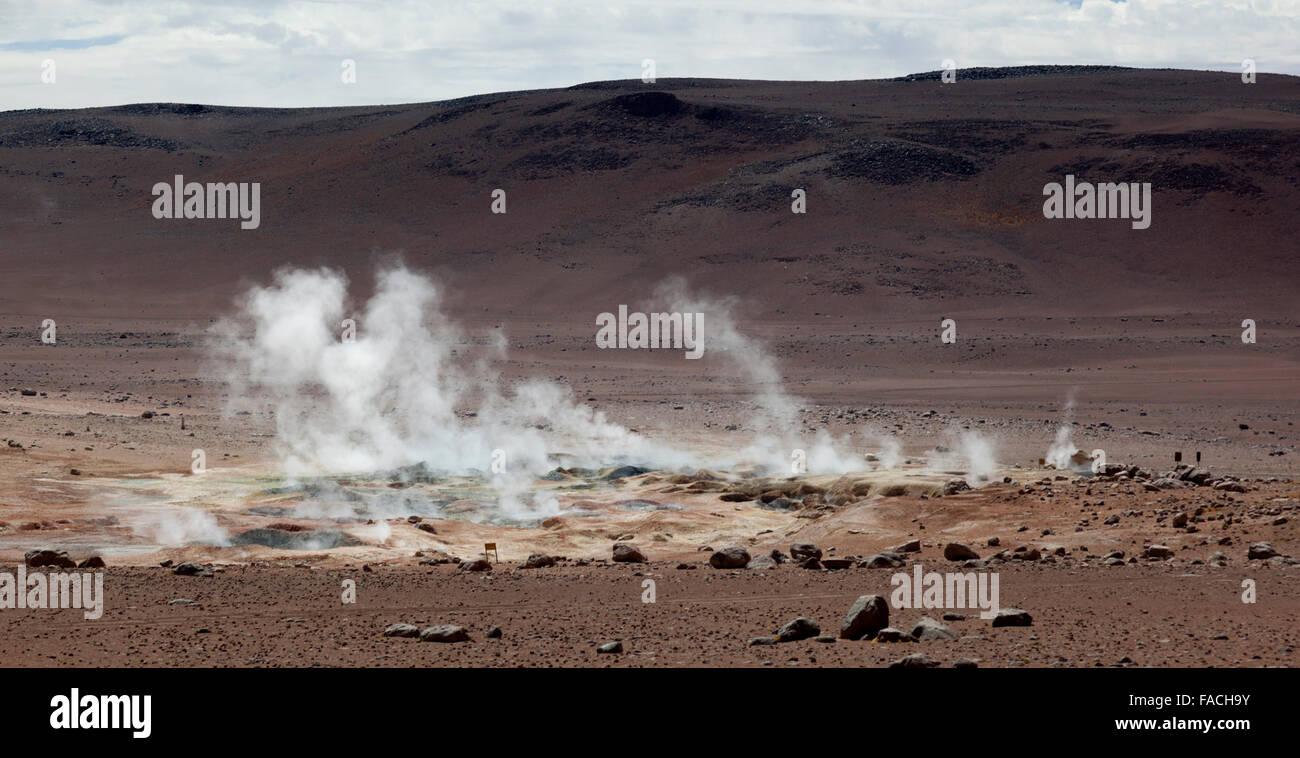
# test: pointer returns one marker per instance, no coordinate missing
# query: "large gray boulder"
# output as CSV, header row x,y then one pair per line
x,y
868,615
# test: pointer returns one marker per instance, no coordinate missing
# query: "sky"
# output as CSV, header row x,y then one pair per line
x,y
80,53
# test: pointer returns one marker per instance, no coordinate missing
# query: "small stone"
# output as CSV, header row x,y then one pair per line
x,y
43,558
1261,551
610,648
955,551
929,629
965,663
914,661
1158,552
799,629
402,630
890,634
539,560
802,551
1012,617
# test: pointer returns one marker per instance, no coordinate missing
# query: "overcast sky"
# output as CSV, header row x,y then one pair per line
x,y
279,53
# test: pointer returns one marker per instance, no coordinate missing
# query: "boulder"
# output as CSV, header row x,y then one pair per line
x,y
734,557
956,551
626,552
444,633
802,551
867,616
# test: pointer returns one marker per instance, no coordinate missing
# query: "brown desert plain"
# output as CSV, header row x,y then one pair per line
x,y
822,333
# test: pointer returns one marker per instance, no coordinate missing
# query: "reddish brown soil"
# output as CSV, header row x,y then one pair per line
x,y
1140,327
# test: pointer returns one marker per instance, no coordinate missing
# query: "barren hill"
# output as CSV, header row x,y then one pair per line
x,y
922,197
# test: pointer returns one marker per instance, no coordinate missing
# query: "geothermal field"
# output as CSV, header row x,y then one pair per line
x,y
699,373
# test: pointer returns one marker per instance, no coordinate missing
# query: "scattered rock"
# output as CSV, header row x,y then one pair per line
x,y
476,564
493,633
444,633
626,552
611,648
93,562
1158,552
911,546
189,568
539,560
955,551
914,661
953,486
880,560
42,558
1257,551
733,557
1012,617
802,551
929,629
402,630
890,634
799,629
867,616
965,663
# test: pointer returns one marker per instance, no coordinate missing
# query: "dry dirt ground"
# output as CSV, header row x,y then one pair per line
x,y
923,205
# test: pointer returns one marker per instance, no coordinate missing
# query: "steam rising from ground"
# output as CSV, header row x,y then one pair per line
x,y
400,393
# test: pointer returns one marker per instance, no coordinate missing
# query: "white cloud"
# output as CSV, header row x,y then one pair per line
x,y
268,53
